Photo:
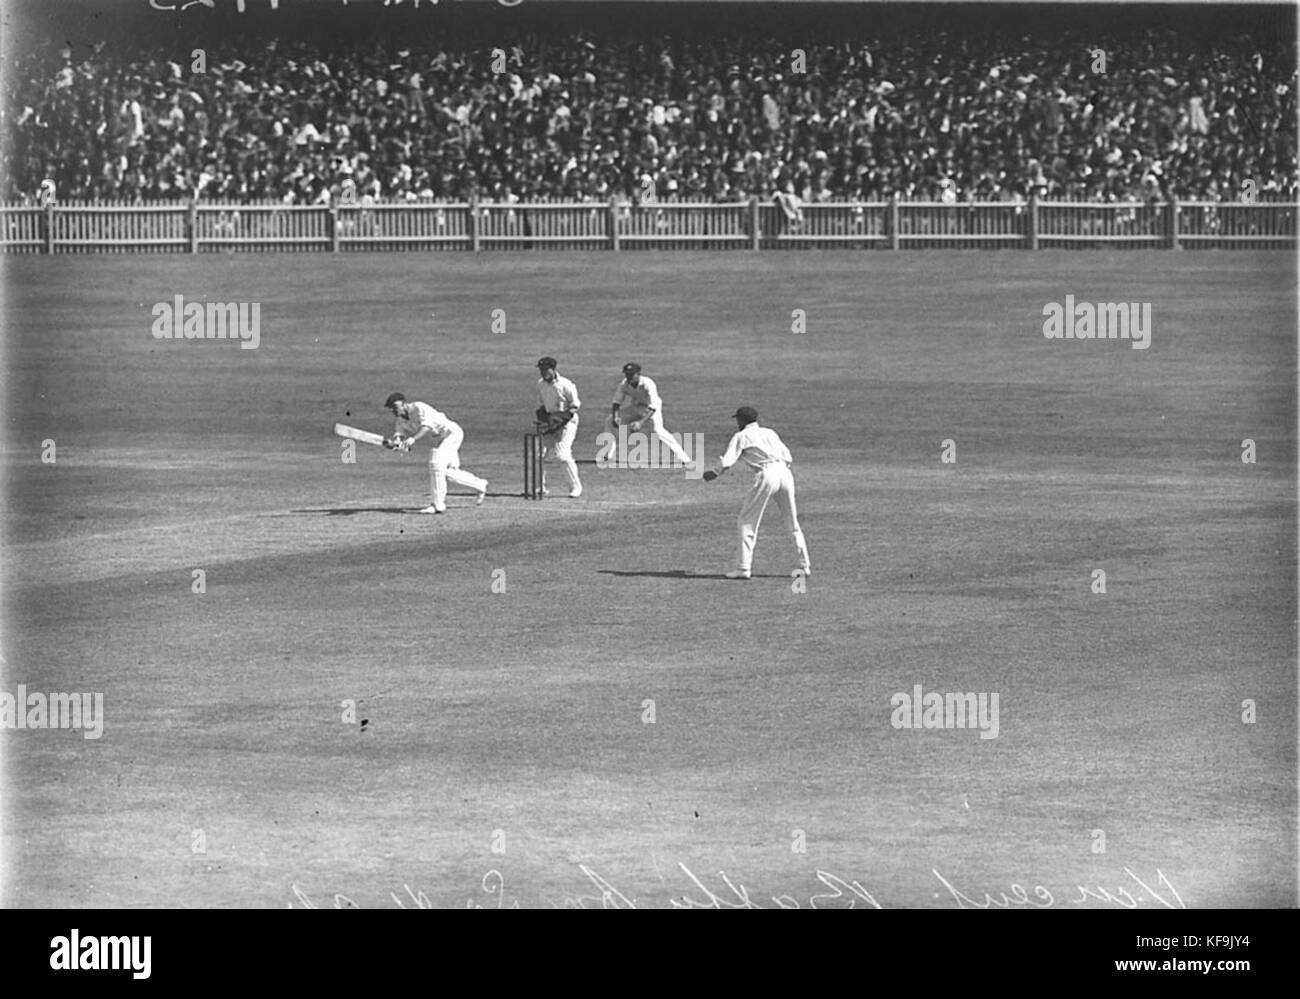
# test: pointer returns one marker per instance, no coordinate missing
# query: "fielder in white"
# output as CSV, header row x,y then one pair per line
x,y
636,401
763,451
416,420
556,394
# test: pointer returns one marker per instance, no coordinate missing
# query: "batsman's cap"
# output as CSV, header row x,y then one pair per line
x,y
395,397
747,413
547,362
631,368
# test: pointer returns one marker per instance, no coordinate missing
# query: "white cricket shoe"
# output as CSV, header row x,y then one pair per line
x,y
482,494
738,574
431,509
576,493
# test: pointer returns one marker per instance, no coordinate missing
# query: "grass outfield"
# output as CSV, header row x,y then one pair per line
x,y
508,756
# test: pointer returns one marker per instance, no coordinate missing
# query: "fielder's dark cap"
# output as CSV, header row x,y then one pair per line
x,y
747,413
547,362
631,368
395,397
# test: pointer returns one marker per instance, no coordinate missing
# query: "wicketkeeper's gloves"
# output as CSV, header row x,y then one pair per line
x,y
553,423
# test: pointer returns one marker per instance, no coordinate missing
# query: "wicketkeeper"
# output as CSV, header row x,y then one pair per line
x,y
557,421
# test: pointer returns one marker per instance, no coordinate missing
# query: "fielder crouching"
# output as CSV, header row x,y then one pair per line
x,y
416,420
636,403
763,451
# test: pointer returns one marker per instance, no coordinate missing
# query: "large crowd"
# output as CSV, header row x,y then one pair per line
x,y
588,116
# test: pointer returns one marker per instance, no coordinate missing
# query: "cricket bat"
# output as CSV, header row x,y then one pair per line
x,y
364,436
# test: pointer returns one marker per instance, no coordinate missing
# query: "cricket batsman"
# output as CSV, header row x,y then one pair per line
x,y
637,402
557,421
763,451
417,420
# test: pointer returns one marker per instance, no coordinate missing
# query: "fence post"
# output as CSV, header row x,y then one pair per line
x,y
613,224
192,224
334,228
753,223
473,225
1033,220
893,221
1175,214
49,227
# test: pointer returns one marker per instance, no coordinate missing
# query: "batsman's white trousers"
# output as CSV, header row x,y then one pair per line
x,y
560,448
444,467
656,421
773,481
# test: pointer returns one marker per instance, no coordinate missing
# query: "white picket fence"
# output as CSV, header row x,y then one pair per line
x,y
187,227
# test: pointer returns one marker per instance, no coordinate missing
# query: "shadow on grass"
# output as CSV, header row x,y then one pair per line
x,y
681,574
343,511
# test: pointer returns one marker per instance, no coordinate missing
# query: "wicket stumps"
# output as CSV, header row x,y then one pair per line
x,y
533,451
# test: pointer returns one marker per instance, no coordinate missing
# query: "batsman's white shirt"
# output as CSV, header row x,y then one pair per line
x,y
423,415
756,446
642,398
444,458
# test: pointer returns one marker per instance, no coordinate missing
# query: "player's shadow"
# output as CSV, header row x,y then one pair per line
x,y
678,574
343,511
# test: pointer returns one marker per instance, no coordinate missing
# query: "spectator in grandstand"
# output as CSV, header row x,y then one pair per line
x,y
593,115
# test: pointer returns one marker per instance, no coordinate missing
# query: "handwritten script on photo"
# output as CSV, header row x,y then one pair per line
x,y
832,892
